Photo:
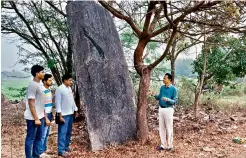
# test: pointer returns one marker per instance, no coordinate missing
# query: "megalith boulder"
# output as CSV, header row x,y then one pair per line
x,y
101,75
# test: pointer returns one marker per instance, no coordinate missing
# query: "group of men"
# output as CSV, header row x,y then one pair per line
x,y
39,115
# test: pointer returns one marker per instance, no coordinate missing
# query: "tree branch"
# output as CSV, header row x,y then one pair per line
x,y
51,36
151,6
181,50
165,14
57,9
121,16
29,28
24,36
151,66
177,20
155,20
216,25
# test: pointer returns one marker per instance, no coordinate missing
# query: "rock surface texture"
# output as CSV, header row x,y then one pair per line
x,y
101,75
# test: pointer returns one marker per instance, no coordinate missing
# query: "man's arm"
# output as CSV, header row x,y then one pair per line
x,y
157,96
58,104
174,99
58,101
47,121
76,110
31,95
74,105
31,103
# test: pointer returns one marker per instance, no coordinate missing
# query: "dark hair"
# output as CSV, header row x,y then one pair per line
x,y
66,77
170,77
46,77
36,69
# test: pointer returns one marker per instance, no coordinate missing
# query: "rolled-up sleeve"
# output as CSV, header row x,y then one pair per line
x,y
75,107
157,97
58,101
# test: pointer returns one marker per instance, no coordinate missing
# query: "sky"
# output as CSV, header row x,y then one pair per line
x,y
9,54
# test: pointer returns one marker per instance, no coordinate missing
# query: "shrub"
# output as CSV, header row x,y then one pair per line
x,y
186,91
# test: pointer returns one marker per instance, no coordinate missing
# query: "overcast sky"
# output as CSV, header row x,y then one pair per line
x,y
9,54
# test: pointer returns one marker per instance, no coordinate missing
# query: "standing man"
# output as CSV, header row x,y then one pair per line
x,y
167,99
34,113
65,107
47,83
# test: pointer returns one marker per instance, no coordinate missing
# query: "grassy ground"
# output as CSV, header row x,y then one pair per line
x,y
8,85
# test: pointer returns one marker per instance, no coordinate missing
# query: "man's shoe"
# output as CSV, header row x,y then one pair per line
x,y
170,150
159,148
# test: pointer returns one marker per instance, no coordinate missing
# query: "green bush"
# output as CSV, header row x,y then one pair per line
x,y
186,91
236,90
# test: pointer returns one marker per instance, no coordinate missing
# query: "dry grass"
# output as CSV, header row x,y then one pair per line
x,y
191,137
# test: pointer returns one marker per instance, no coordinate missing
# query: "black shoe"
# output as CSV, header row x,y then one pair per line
x,y
159,148
170,150
69,150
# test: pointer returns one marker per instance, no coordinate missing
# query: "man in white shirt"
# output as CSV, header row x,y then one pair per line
x,y
34,113
65,107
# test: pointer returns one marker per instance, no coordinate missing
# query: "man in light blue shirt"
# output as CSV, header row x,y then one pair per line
x,y
47,83
65,107
167,99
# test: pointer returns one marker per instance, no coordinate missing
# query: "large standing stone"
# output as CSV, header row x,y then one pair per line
x,y
101,74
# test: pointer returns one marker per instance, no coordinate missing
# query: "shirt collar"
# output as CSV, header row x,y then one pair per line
x,y
64,86
168,86
46,88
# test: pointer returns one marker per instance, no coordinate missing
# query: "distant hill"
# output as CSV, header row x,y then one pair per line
x,y
14,75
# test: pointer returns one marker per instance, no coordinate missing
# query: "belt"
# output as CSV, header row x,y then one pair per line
x,y
166,106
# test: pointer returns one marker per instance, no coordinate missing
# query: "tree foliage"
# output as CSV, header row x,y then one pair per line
x,y
42,25
226,59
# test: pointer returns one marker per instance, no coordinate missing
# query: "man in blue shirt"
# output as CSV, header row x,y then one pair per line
x,y
47,83
167,99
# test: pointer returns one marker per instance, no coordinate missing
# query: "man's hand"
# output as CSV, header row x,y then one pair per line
x,y
165,99
76,114
62,119
47,122
152,93
37,122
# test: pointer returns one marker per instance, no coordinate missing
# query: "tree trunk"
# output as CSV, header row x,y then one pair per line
x,y
197,96
142,123
144,73
173,70
56,74
138,54
200,83
69,57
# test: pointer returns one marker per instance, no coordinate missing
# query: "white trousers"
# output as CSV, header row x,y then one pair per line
x,y
166,127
